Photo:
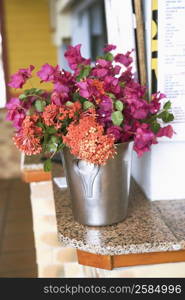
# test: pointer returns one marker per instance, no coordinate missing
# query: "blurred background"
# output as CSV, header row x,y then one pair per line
x,y
26,38
34,32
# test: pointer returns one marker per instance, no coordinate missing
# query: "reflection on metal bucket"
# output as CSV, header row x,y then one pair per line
x,y
99,194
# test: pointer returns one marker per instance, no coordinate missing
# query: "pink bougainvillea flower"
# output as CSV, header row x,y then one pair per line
x,y
166,131
91,88
103,63
143,139
17,119
64,86
106,103
116,131
56,98
140,110
102,68
84,89
17,110
87,141
60,94
99,72
16,113
116,70
64,81
109,48
49,73
126,76
134,90
124,59
105,110
19,79
13,104
112,85
74,57
134,96
155,104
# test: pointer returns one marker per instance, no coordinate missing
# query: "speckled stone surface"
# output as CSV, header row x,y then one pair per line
x,y
150,226
173,214
33,162
146,229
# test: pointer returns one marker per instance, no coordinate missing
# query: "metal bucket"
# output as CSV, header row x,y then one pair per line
x,y
99,194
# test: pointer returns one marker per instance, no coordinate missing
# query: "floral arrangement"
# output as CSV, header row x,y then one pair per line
x,y
89,110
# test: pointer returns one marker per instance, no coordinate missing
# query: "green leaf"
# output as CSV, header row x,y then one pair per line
x,y
84,72
122,84
99,57
167,105
109,56
26,92
155,127
41,125
51,130
87,105
170,118
111,95
22,97
166,116
47,165
75,96
54,139
69,103
117,118
119,105
52,147
32,90
31,111
38,91
60,147
39,105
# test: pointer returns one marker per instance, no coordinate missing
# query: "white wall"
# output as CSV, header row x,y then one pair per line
x,y
161,172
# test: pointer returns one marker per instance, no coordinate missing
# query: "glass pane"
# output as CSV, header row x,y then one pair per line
x,y
98,33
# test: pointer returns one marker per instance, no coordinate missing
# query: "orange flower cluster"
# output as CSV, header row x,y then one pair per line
x,y
69,111
53,114
50,113
87,141
99,86
28,138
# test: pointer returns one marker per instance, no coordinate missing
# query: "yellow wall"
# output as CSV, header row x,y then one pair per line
x,y
28,34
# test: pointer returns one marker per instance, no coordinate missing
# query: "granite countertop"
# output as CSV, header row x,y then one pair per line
x,y
149,227
36,162
33,162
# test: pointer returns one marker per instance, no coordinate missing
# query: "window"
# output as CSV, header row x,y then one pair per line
x,y
98,35
89,27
